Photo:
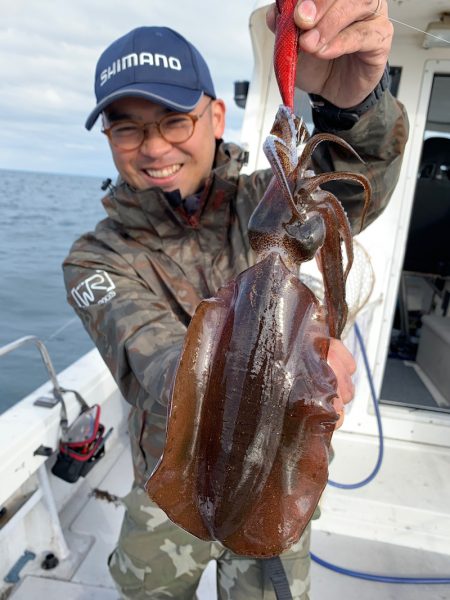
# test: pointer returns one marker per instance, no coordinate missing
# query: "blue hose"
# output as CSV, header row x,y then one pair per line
x,y
352,486
379,578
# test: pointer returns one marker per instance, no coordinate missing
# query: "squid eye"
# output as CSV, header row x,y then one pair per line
x,y
309,236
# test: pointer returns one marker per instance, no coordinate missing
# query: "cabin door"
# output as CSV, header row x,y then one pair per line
x,y
417,372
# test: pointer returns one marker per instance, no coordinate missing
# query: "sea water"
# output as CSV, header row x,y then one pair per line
x,y
41,215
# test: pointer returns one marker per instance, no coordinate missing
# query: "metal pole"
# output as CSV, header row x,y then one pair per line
x,y
61,546
44,355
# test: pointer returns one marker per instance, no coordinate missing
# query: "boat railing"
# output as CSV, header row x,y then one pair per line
x,y
43,492
32,339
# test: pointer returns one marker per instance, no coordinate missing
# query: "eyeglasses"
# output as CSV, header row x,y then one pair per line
x,y
174,128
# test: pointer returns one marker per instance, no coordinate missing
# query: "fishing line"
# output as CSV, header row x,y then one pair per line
x,y
420,30
58,331
374,12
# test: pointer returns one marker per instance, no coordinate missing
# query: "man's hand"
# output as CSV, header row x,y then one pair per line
x,y
344,47
343,365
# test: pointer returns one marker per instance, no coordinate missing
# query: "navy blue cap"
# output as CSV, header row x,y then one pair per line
x,y
155,63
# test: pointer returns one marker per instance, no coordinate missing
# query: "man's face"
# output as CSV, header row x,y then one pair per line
x,y
164,164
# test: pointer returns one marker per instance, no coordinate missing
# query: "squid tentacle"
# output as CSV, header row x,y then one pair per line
x,y
275,158
330,262
281,150
312,183
344,230
314,141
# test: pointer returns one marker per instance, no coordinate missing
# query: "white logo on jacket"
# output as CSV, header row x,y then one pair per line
x,y
143,58
96,289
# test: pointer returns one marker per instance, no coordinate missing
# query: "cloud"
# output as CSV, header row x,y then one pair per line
x,y
48,52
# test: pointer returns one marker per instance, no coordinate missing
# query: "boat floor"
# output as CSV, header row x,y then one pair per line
x,y
405,383
95,528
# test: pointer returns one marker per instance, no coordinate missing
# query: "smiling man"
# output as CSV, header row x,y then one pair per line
x,y
176,230
148,86
174,158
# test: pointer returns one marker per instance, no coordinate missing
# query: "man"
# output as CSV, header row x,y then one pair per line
x,y
176,232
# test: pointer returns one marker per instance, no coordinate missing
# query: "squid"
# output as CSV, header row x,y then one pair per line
x,y
251,414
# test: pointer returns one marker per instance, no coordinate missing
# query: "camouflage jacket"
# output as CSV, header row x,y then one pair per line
x,y
136,280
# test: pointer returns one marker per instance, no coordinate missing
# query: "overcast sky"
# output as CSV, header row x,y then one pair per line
x,y
48,52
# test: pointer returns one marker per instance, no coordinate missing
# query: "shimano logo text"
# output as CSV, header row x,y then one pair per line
x,y
141,59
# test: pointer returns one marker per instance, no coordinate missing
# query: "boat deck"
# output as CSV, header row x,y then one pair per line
x,y
93,530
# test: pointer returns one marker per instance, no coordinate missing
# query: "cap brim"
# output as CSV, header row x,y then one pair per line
x,y
175,98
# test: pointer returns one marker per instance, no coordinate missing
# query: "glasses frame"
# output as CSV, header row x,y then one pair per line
x,y
144,127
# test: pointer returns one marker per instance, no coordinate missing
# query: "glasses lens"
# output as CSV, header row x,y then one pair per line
x,y
127,135
176,128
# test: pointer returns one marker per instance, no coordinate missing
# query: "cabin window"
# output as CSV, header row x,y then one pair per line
x,y
417,372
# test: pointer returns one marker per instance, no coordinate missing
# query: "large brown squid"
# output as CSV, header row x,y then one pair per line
x,y
251,415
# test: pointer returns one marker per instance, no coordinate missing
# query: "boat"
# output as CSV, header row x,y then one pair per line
x,y
386,514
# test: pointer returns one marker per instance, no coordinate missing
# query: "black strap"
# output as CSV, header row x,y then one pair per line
x,y
81,401
330,118
273,568
64,423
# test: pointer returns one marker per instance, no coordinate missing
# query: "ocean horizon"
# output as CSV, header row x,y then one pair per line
x,y
42,215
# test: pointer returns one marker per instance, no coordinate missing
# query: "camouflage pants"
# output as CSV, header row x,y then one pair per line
x,y
156,559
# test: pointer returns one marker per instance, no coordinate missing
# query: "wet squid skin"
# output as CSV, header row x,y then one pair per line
x,y
251,416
